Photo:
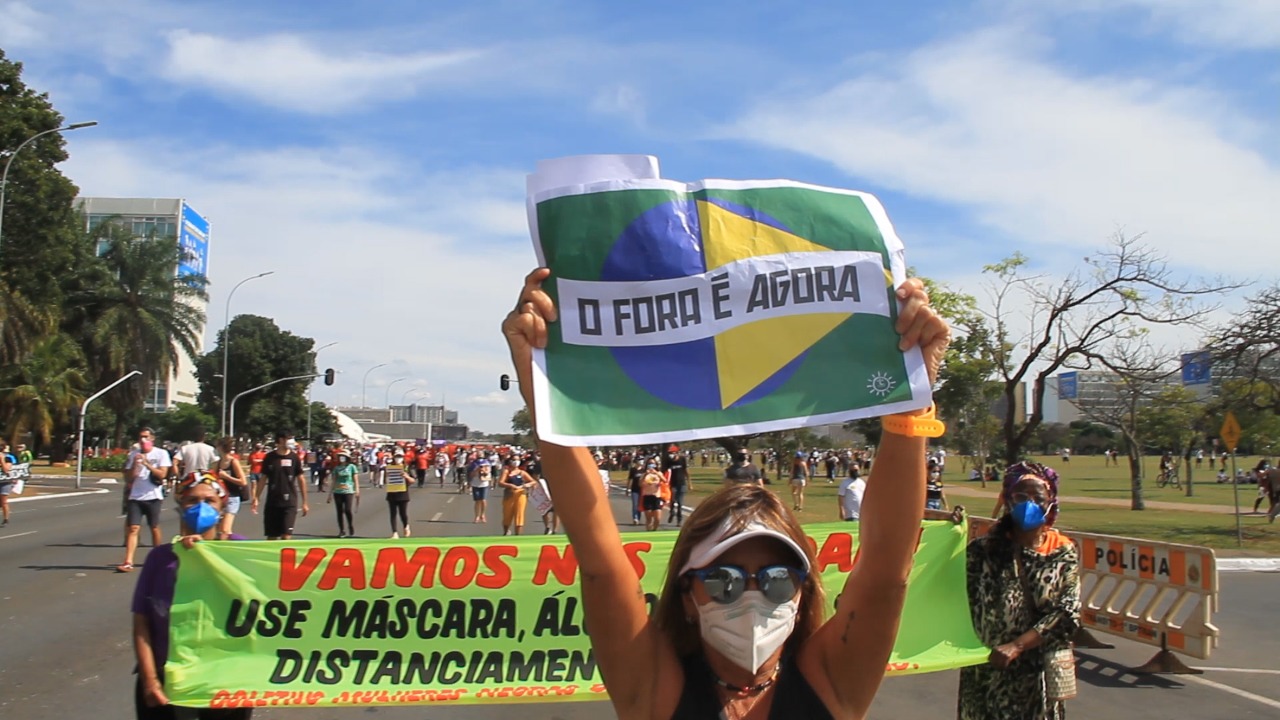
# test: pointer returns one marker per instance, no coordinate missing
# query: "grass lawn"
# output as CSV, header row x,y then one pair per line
x,y
1086,477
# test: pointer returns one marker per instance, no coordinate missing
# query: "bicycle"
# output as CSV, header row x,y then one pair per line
x,y
1169,477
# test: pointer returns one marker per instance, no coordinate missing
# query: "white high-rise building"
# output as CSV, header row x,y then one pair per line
x,y
161,217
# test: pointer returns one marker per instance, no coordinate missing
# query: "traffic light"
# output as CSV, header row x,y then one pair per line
x,y
504,382
328,376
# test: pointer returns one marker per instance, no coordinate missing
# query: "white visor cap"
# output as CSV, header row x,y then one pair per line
x,y
715,544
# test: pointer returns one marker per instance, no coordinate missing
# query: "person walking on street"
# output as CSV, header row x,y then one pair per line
x,y
742,472
397,483
442,466
144,476
799,478
514,481
480,482
6,486
231,473
346,492
849,495
421,461
651,491
285,484
676,466
255,467
635,480
934,497
195,456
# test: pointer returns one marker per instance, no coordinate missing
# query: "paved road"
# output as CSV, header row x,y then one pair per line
x,y
65,650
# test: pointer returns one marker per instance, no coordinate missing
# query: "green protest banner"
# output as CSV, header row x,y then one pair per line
x,y
463,620
713,308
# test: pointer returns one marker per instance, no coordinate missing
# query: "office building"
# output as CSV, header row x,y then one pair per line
x,y
170,218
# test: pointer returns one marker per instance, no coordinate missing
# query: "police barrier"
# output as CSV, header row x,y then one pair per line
x,y
1160,594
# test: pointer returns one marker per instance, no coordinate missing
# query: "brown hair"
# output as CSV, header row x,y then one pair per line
x,y
743,503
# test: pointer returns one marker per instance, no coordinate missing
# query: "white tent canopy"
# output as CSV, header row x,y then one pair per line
x,y
350,428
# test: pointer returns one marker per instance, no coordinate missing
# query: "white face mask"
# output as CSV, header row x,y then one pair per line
x,y
747,632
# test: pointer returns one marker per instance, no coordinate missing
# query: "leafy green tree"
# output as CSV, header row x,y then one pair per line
x,y
1176,420
259,352
521,423
140,315
47,388
22,325
1042,324
964,393
37,247
1248,349
183,422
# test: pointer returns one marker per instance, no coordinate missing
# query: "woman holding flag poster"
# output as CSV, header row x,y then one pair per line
x,y
739,631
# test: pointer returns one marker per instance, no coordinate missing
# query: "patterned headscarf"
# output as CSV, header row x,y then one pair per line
x,y
1017,471
202,478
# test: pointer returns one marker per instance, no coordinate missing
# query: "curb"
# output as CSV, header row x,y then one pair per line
x,y
54,496
1249,565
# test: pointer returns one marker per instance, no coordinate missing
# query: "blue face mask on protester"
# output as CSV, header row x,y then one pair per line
x,y
200,517
1027,515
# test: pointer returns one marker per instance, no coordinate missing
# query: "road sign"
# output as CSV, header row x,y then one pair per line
x,y
1230,432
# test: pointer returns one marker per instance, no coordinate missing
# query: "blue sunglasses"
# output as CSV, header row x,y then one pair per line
x,y
726,583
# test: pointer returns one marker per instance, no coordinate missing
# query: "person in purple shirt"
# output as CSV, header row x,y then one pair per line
x,y
201,497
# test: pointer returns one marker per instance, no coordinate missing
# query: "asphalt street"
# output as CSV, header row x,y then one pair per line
x,y
65,644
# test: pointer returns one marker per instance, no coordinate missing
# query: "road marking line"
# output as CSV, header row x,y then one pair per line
x,y
71,505
1234,691
455,497
436,516
58,496
1240,670
29,532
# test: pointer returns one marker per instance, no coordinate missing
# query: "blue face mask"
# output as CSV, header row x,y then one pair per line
x,y
201,517
1027,515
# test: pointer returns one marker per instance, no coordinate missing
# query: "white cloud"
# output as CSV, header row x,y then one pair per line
x,y
1042,155
400,268
1237,24
622,100
293,73
20,26
497,398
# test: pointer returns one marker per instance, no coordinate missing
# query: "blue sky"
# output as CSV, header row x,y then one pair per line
x,y
373,154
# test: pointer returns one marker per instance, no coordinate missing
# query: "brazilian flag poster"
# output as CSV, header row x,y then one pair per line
x,y
691,310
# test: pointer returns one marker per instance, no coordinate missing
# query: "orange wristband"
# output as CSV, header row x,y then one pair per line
x,y
927,425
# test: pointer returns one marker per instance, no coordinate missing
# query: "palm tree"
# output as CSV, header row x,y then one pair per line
x,y
48,386
22,324
140,315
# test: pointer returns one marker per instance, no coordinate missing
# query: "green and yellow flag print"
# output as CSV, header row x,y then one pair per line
x,y
699,310
450,621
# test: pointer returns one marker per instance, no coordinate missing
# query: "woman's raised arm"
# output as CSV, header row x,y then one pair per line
x,y
617,620
855,643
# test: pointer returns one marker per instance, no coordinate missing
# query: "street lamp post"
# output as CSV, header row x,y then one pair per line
x,y
387,401
226,327
84,410
263,385
365,382
310,387
4,179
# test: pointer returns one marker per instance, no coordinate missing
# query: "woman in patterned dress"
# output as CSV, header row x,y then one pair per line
x,y
1024,596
